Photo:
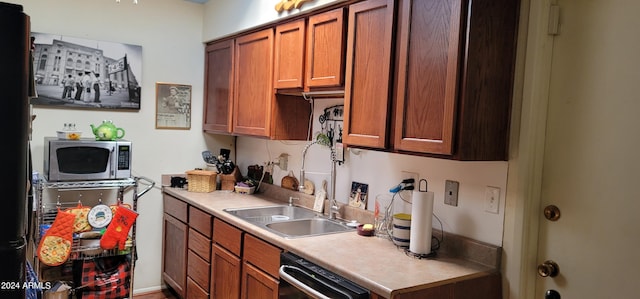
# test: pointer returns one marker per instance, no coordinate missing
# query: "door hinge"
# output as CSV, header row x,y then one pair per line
x,y
554,19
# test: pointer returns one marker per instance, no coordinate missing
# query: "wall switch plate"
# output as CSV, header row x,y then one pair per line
x,y
492,199
451,193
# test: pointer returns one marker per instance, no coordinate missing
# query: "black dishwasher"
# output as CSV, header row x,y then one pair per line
x,y
300,279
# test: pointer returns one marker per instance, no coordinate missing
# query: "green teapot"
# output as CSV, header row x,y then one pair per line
x,y
107,131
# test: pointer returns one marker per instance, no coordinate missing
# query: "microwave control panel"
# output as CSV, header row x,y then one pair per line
x,y
124,157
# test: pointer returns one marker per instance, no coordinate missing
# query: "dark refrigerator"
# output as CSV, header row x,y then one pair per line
x,y
15,118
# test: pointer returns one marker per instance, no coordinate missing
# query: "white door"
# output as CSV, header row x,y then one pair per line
x,y
591,168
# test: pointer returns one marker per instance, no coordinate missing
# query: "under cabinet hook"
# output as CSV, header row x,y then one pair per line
x,y
420,185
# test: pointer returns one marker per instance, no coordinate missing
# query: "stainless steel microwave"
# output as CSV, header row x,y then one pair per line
x,y
86,159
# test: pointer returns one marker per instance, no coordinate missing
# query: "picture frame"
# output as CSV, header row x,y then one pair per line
x,y
79,73
358,195
173,106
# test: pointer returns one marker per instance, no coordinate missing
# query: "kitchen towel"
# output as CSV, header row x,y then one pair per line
x,y
421,213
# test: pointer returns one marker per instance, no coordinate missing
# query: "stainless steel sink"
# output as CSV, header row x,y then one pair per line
x,y
289,221
264,215
307,227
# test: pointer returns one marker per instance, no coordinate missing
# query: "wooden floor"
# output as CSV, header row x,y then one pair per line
x,y
163,294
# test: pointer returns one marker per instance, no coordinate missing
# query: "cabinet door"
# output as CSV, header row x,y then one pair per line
x,y
325,49
289,55
252,95
429,36
368,66
218,87
174,254
257,284
225,274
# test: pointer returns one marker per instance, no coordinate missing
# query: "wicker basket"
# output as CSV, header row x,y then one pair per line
x,y
201,180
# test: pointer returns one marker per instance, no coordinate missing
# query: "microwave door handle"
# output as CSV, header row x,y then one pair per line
x,y
305,288
112,165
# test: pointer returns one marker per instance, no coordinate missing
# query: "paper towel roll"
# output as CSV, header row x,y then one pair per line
x,y
421,213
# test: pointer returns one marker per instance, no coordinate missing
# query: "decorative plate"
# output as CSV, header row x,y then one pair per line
x,y
100,216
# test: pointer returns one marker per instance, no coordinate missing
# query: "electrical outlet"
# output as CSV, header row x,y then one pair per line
x,y
491,199
283,160
451,193
339,148
406,194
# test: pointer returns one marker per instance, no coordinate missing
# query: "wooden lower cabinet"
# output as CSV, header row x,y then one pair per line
x,y
174,260
206,257
261,262
225,274
485,287
257,284
194,291
198,270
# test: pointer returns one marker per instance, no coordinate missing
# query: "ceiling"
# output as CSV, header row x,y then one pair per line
x,y
198,1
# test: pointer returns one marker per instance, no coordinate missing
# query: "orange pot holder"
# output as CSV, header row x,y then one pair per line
x,y
55,245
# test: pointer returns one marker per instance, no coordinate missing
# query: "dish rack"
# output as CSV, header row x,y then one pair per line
x,y
70,195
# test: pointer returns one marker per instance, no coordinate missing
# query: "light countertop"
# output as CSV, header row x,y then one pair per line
x,y
372,262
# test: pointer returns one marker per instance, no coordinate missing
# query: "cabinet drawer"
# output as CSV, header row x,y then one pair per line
x,y
194,291
198,270
227,236
200,244
175,207
262,255
200,221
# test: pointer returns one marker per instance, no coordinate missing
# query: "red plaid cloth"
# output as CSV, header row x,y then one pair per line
x,y
105,278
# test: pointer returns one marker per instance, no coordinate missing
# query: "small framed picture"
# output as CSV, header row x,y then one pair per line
x,y
173,106
358,195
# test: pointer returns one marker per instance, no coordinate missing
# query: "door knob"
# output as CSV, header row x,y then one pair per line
x,y
552,213
551,294
548,268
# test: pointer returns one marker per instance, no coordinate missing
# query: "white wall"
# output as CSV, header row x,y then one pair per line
x,y
225,17
170,33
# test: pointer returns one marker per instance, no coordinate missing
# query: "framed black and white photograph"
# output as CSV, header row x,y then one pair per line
x,y
78,73
173,106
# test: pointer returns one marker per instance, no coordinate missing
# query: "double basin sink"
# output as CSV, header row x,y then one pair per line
x,y
289,221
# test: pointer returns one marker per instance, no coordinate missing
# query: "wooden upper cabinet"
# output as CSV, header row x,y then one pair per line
x,y
252,97
368,73
427,82
325,49
218,87
289,55
309,53
454,78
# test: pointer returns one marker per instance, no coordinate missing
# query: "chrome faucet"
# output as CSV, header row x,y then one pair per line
x,y
333,204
